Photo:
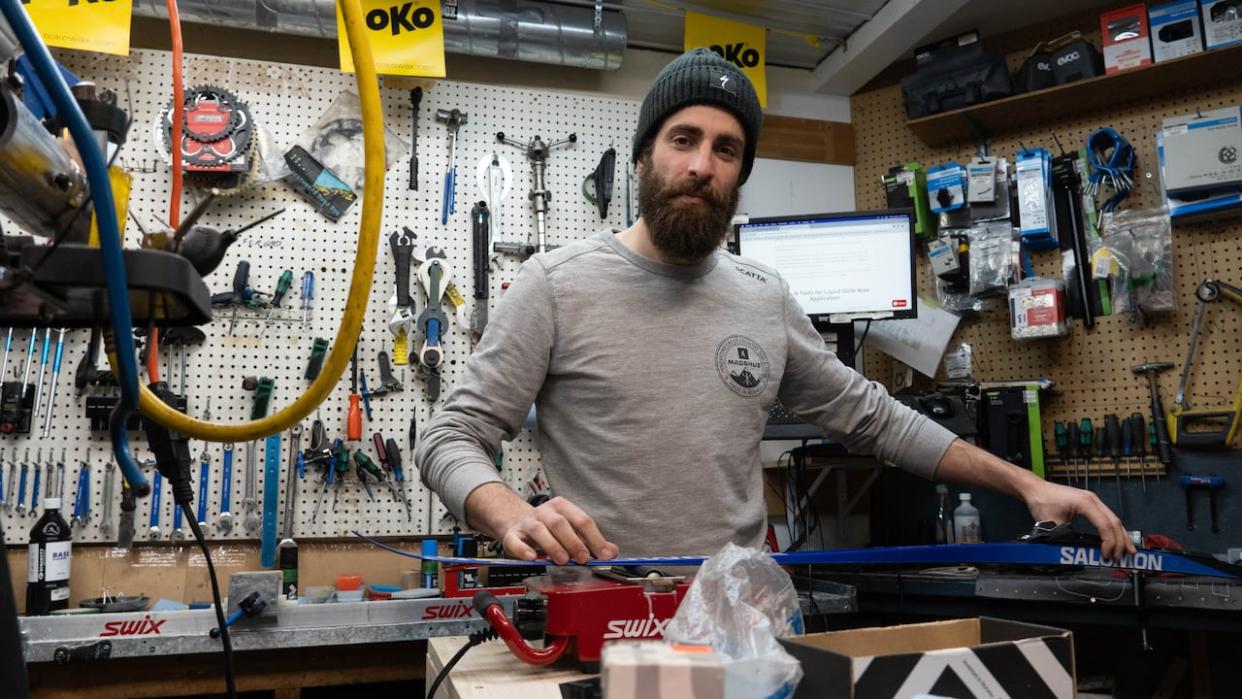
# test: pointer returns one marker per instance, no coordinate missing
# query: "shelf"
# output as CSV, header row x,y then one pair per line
x,y
1055,103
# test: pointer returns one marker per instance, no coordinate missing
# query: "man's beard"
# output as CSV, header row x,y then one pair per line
x,y
684,231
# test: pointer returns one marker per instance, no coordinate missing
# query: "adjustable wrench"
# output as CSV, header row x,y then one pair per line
x,y
153,522
435,275
250,493
204,461
105,524
225,523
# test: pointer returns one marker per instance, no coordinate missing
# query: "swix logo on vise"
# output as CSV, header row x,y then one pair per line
x,y
145,626
400,17
650,627
447,611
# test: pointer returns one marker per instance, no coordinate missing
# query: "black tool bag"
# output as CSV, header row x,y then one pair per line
x,y
952,74
1065,59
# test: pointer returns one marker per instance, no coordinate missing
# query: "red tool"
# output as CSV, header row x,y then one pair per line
x,y
353,424
581,612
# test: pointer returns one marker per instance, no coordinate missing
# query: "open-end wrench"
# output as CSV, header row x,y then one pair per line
x,y
51,394
204,461
225,523
81,494
11,490
153,523
47,345
250,503
21,488
291,485
34,491
105,522
60,477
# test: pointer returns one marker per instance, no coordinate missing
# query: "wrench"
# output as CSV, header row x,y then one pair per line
x,y
291,487
34,492
250,494
225,523
30,351
204,460
60,477
81,500
47,344
105,524
21,489
153,522
177,535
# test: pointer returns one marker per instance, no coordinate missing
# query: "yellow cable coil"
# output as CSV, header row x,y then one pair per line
x,y
359,284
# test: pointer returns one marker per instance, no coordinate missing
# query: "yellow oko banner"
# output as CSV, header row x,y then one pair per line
x,y
407,38
743,45
89,25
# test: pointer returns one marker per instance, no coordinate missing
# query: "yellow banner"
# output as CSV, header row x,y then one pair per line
x,y
90,25
407,37
743,45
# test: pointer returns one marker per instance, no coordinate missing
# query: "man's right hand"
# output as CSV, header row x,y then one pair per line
x,y
558,527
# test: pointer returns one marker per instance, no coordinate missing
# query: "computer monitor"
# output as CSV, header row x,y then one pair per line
x,y
841,267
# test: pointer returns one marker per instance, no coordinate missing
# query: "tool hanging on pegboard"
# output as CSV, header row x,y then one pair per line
x,y
599,191
217,137
537,152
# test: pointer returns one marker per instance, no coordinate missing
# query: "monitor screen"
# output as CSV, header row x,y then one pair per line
x,y
840,267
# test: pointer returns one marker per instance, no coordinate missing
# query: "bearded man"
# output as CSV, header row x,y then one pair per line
x,y
653,357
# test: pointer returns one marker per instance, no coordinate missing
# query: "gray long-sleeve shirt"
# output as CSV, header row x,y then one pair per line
x,y
652,384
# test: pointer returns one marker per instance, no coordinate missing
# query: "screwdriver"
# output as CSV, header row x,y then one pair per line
x,y
1086,434
1112,435
353,424
1151,439
308,295
241,291
1127,442
1073,439
1059,431
282,288
1140,446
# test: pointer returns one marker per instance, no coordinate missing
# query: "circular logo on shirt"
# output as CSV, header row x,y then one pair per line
x,y
743,366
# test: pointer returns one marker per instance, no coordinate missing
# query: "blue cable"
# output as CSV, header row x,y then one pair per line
x,y
109,235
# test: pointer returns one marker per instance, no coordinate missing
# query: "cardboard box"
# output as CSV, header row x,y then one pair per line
x,y
1222,22
659,670
1202,153
1175,29
1125,37
981,657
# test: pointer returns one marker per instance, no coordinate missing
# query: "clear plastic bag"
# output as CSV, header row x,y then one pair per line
x,y
992,263
335,140
1141,242
739,603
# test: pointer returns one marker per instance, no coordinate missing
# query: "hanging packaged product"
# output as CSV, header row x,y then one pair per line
x,y
949,256
905,187
988,189
946,187
1222,22
1036,215
1137,250
1037,309
992,262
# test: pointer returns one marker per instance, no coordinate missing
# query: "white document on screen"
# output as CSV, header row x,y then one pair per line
x,y
918,342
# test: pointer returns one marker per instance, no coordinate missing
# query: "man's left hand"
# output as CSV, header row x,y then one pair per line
x,y
1059,503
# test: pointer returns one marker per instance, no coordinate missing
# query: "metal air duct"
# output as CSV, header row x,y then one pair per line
x,y
523,31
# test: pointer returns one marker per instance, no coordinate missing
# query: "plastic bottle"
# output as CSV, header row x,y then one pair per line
x,y
944,518
47,562
966,529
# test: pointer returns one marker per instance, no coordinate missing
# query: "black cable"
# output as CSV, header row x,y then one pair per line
x,y
861,340
230,680
13,681
476,638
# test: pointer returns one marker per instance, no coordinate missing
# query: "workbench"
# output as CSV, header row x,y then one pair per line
x,y
490,671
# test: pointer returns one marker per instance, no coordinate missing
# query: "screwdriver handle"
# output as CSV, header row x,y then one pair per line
x,y
1140,435
1127,438
354,422
380,452
1112,434
241,279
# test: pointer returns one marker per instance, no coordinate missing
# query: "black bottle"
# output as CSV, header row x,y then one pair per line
x,y
47,562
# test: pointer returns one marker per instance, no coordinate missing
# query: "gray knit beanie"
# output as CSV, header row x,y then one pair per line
x,y
701,76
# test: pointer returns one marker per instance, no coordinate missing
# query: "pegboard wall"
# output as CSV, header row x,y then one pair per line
x,y
285,100
1091,368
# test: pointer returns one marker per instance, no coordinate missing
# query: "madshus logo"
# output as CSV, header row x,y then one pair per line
x,y
743,365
